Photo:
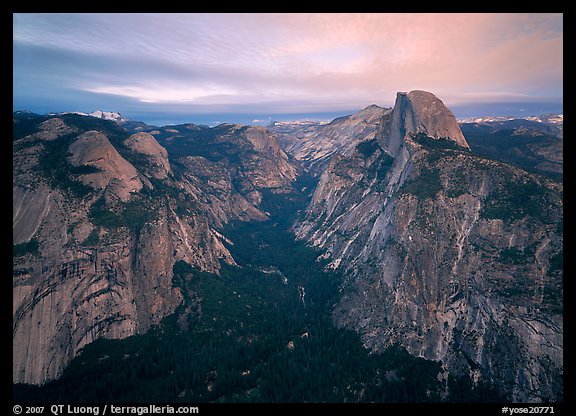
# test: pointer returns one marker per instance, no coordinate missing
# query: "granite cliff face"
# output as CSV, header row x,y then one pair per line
x,y
455,257
419,112
315,145
250,154
111,170
157,163
100,217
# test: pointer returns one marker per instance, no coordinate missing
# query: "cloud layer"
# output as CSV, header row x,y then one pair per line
x,y
283,62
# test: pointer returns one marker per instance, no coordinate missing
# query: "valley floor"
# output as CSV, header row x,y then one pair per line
x,y
260,332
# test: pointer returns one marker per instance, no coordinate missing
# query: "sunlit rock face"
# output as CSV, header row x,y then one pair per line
x,y
315,144
94,149
158,165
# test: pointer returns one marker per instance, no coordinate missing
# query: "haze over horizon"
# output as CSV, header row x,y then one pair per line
x,y
254,68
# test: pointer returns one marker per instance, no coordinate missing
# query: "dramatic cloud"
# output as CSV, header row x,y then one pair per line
x,y
282,63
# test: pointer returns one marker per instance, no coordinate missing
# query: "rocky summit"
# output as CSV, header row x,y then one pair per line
x,y
419,112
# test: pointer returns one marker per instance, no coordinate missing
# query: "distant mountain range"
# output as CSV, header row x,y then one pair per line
x,y
293,127
104,115
545,118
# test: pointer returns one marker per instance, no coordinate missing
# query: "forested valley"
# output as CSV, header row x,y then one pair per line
x,y
258,332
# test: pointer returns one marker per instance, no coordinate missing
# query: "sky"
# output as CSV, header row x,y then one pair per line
x,y
253,68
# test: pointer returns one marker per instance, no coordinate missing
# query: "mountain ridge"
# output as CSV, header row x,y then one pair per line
x,y
317,145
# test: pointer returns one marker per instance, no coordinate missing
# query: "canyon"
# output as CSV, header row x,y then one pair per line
x,y
452,255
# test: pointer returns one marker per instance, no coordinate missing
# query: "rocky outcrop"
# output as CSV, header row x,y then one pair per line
x,y
64,304
158,164
51,129
455,257
419,112
317,144
430,116
29,208
94,149
211,185
275,171
251,156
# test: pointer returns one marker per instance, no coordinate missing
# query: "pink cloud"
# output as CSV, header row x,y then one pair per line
x,y
323,58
